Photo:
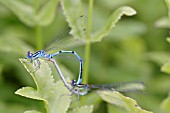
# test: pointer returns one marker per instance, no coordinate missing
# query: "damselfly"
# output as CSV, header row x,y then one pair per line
x,y
69,41
82,89
108,92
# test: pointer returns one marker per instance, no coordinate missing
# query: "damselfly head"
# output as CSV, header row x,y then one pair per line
x,y
29,55
73,83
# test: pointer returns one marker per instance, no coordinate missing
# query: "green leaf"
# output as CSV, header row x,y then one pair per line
x,y
32,111
114,109
72,9
78,24
52,93
166,68
165,105
113,19
29,92
26,12
73,15
84,109
118,99
163,22
168,39
47,13
23,11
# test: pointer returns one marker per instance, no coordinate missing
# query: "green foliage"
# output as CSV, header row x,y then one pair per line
x,y
48,91
23,11
134,50
28,14
69,10
54,94
113,19
118,99
164,22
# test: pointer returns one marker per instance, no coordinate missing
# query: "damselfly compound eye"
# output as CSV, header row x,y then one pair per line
x,y
29,54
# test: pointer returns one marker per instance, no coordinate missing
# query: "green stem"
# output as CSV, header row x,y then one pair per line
x,y
39,41
88,45
38,30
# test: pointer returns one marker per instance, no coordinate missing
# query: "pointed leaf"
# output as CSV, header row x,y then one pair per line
x,y
23,11
84,109
165,105
166,68
47,13
113,19
53,94
168,39
122,101
28,92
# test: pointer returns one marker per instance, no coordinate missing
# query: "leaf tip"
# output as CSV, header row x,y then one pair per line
x,y
129,11
166,68
168,39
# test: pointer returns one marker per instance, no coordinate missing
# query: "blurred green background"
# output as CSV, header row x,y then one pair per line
x,y
134,51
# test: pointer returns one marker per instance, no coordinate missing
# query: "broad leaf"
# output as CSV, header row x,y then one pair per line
x,y
75,18
118,99
54,94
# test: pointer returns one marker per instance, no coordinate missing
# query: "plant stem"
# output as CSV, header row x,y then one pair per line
x,y
38,30
88,45
39,41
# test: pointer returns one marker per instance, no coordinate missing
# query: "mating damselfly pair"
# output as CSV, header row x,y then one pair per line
x,y
76,87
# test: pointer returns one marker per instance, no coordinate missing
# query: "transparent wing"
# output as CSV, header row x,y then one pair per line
x,y
73,36
126,87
